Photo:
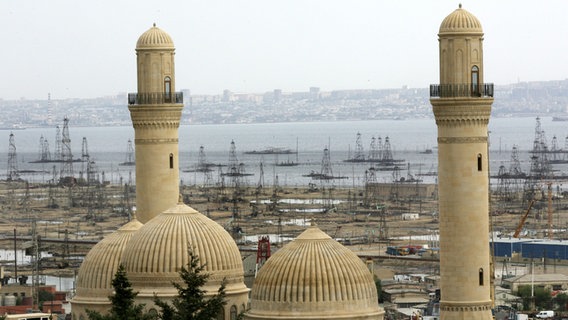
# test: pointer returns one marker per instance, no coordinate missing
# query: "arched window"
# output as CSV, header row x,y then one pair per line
x,y
168,89
233,314
479,162
475,81
171,161
221,314
480,276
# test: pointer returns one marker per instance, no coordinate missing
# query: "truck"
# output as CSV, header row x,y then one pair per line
x,y
545,314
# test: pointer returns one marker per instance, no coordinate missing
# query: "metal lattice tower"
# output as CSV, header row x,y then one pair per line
x,y
374,154
84,158
129,152
12,173
66,154
44,153
326,170
387,152
260,183
359,152
515,166
57,152
201,160
380,147
504,184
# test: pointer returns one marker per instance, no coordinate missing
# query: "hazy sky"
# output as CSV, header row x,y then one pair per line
x,y
76,49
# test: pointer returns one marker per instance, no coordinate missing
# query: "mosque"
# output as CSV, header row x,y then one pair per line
x,y
312,277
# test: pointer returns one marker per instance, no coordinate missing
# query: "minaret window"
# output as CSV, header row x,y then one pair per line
x,y
233,313
475,81
480,276
479,162
171,161
167,89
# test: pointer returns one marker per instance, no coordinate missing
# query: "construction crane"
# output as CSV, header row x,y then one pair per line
x,y
523,219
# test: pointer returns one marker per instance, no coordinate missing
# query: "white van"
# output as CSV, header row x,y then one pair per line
x,y
545,314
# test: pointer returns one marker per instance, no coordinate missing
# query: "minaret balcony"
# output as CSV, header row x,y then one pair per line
x,y
464,90
155,98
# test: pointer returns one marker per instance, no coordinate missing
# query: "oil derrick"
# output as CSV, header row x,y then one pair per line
x,y
374,154
92,173
515,165
370,186
387,152
129,158
396,181
84,159
66,154
504,184
515,173
383,226
51,196
12,174
57,152
220,182
234,170
380,148
359,152
326,171
260,183
126,202
540,165
36,260
44,154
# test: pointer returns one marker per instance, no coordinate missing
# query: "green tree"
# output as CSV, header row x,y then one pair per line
x,y
561,300
191,302
542,297
123,306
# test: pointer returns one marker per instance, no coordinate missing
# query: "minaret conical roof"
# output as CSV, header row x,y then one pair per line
x,y
155,38
460,21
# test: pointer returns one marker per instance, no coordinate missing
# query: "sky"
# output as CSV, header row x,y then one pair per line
x,y
85,49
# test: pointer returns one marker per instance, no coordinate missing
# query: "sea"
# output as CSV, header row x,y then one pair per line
x,y
410,141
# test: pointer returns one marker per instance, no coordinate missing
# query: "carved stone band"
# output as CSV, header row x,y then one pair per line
x,y
155,141
462,139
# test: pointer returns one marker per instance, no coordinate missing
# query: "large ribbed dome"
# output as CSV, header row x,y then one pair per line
x,y
155,38
460,21
158,251
101,263
313,277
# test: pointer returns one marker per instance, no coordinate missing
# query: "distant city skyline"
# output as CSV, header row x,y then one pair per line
x,y
86,49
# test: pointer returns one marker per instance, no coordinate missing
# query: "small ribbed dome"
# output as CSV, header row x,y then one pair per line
x,y
155,38
460,21
158,251
100,264
312,277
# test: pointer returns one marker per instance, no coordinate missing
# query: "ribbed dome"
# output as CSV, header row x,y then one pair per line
x,y
312,277
460,21
158,251
100,264
155,38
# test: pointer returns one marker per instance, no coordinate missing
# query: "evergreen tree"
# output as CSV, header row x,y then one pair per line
x,y
122,301
191,302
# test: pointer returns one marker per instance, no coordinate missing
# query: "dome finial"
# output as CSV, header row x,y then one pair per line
x,y
154,24
460,6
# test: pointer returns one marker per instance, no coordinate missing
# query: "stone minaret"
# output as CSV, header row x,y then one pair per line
x,y
156,111
462,106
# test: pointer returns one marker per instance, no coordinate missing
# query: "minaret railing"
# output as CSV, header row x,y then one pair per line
x,y
155,98
461,90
